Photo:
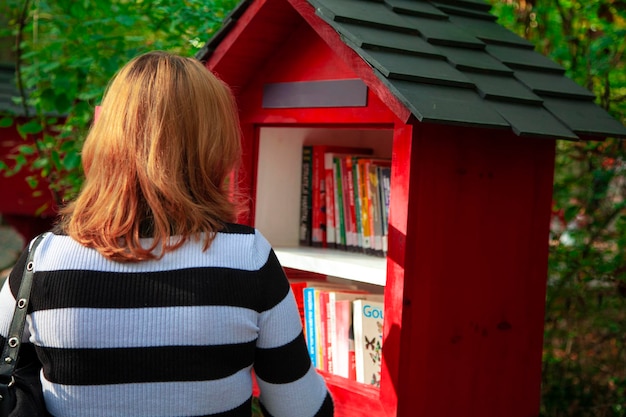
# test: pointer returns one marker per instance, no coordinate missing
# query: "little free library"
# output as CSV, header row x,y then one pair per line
x,y
465,115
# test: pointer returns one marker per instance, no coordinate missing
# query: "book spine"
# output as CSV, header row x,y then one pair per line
x,y
318,197
323,345
366,207
340,228
376,219
350,215
356,188
305,196
330,200
332,331
309,319
342,346
385,184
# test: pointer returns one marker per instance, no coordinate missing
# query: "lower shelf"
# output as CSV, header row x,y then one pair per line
x,y
353,399
348,265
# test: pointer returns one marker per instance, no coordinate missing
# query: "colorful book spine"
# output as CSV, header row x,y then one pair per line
x,y
340,228
351,224
306,196
318,199
323,191
340,341
309,320
330,200
376,220
385,190
365,206
321,310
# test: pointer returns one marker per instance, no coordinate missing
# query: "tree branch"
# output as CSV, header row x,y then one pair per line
x,y
18,58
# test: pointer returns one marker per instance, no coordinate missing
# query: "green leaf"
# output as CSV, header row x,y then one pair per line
x,y
6,121
71,160
27,149
62,103
32,181
41,209
33,127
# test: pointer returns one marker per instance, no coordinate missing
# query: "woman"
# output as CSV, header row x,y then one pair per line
x,y
148,300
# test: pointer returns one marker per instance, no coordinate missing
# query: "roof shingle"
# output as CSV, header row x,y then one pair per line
x,y
490,76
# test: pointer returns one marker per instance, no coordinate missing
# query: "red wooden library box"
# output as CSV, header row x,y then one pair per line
x,y
469,115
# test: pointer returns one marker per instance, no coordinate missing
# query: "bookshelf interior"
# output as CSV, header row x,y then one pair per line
x,y
278,188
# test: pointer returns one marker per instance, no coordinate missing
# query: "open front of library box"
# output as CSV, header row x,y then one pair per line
x,y
399,157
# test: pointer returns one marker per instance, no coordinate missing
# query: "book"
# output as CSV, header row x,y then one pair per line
x,y
364,220
298,284
385,190
306,196
340,343
368,319
321,315
375,203
311,311
344,363
349,203
340,225
322,194
329,184
309,320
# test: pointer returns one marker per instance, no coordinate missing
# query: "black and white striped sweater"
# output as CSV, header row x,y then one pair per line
x,y
174,337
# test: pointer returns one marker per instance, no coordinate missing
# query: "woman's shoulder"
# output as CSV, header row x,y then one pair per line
x,y
247,238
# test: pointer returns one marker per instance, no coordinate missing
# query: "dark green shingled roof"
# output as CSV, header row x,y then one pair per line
x,y
449,61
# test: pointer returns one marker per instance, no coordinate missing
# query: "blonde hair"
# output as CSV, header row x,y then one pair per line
x,y
157,160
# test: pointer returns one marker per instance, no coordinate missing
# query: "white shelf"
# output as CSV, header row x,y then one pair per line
x,y
353,266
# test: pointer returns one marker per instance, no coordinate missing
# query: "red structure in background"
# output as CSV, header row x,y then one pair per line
x,y
29,211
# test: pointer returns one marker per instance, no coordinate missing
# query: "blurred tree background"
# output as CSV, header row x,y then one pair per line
x,y
584,366
66,51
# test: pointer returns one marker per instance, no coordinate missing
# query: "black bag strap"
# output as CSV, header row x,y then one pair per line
x,y
13,341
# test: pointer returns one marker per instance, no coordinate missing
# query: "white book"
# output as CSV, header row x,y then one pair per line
x,y
368,340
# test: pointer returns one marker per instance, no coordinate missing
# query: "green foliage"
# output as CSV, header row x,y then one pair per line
x,y
66,53
68,50
584,372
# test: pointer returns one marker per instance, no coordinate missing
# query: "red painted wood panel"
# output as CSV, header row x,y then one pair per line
x,y
475,273
351,58
305,57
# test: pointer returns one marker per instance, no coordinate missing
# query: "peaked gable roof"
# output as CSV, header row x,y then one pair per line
x,y
448,61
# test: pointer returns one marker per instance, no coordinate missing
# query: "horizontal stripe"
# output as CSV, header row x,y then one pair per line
x,y
80,328
305,396
235,228
7,307
236,251
153,364
280,324
327,408
293,358
169,399
258,290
